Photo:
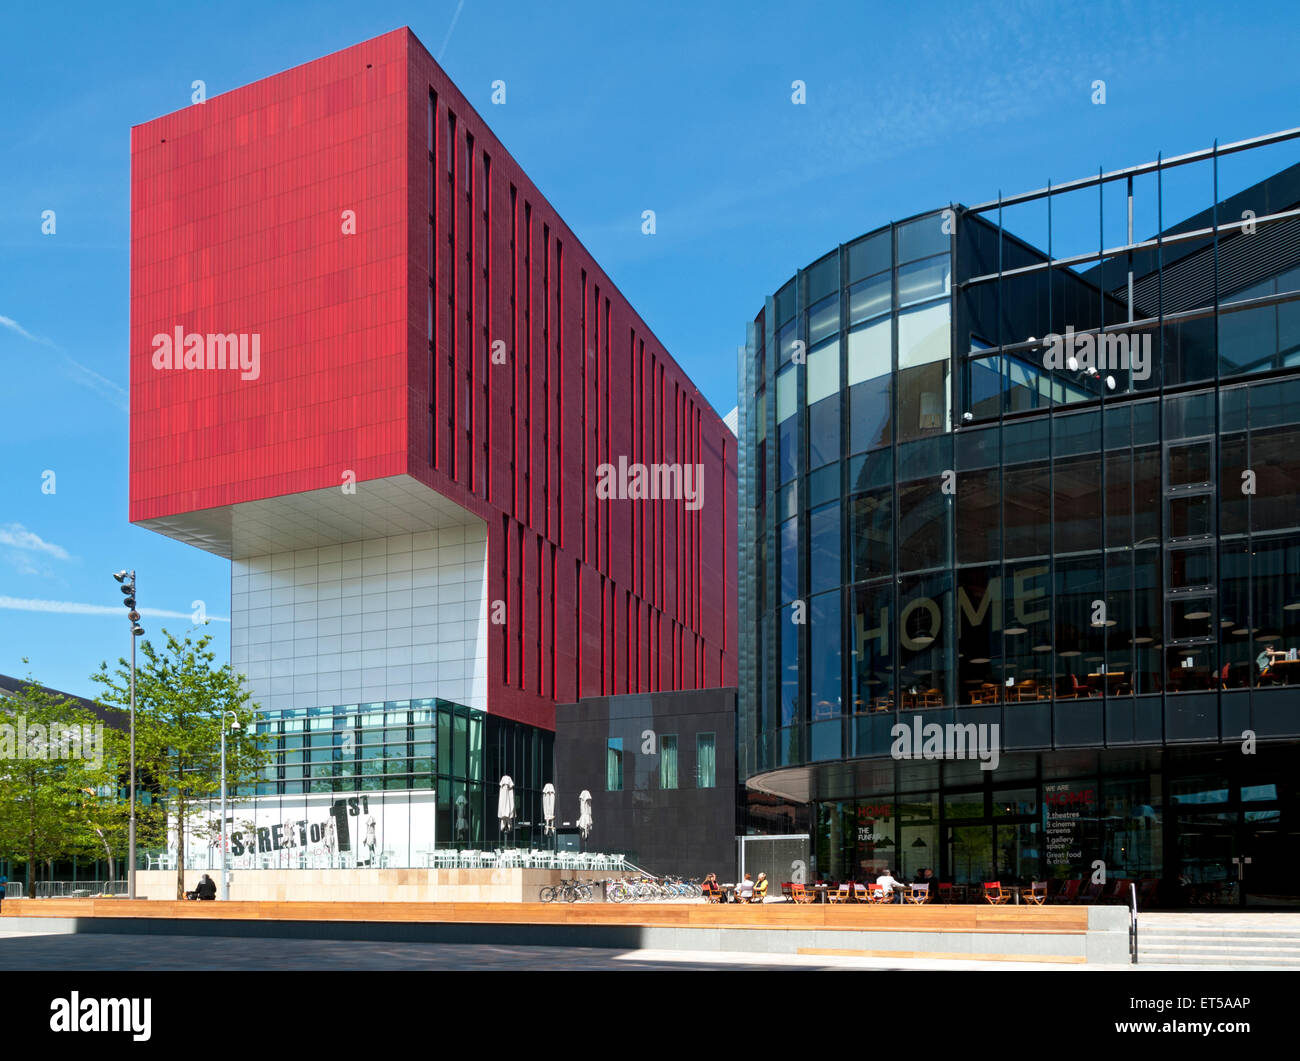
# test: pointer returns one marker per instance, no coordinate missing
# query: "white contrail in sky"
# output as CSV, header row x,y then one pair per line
x,y
449,29
28,604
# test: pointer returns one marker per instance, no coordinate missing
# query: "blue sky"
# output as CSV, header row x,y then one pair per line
x,y
683,108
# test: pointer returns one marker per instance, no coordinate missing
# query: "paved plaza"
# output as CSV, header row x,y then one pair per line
x,y
95,952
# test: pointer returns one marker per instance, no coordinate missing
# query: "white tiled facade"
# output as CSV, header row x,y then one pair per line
x,y
389,618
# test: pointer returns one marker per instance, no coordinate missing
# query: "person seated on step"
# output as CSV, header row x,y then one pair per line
x,y
745,890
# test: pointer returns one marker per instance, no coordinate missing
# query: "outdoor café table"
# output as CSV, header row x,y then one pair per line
x,y
821,890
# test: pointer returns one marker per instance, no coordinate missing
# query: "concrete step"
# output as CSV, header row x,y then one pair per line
x,y
1254,935
1216,958
1286,943
1145,947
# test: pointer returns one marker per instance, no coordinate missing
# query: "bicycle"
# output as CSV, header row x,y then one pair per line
x,y
566,891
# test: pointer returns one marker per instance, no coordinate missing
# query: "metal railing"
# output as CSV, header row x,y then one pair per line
x,y
72,889
1133,921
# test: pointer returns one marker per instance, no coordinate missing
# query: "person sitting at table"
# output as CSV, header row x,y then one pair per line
x,y
710,889
1264,661
760,889
888,884
745,890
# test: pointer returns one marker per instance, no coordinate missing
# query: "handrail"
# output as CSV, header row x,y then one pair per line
x,y
1133,921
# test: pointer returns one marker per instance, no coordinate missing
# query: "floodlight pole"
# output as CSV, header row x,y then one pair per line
x,y
130,886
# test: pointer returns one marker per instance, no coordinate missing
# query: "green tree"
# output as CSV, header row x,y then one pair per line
x,y
181,698
52,752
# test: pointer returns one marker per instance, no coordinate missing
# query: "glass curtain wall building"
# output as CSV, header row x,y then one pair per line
x,y
1048,484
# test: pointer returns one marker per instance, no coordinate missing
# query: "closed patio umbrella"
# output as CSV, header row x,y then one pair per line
x,y
584,813
506,804
548,807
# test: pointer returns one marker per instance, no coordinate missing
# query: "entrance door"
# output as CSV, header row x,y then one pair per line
x,y
1268,859
1206,847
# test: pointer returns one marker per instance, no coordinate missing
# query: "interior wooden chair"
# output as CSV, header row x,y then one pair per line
x,y
993,893
839,895
1036,893
1069,891
787,889
800,894
876,893
945,892
917,894
1091,893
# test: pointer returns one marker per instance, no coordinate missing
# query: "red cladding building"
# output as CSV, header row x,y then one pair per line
x,y
373,367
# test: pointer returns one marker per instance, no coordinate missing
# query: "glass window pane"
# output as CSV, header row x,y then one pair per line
x,y
668,761
706,763
824,432
823,372
979,622
869,351
870,297
823,278
923,237
923,335
824,548
786,401
614,764
925,653
979,502
823,319
924,279
870,255
869,414
871,535
923,401
871,666
825,638
785,340
789,559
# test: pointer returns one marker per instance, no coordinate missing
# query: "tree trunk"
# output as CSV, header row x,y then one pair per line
x,y
180,850
32,869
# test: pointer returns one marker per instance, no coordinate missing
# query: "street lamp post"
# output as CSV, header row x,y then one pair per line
x,y
127,579
225,873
